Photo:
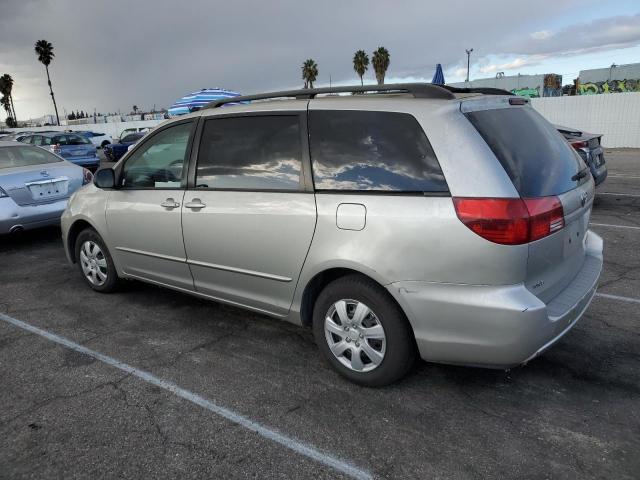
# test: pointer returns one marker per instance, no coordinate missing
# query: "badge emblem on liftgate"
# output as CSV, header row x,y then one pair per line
x,y
44,173
583,198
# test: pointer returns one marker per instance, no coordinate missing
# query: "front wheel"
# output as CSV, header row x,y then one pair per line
x,y
95,262
362,332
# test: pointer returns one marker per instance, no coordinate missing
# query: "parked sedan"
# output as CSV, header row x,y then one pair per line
x,y
35,186
70,146
114,151
588,145
99,139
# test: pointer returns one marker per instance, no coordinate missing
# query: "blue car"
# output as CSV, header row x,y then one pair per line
x,y
114,151
70,146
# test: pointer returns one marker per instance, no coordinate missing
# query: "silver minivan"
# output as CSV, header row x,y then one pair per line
x,y
395,221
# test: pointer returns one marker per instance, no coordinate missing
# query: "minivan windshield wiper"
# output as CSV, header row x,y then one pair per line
x,y
581,174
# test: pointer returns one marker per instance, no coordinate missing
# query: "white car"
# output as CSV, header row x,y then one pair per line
x,y
99,139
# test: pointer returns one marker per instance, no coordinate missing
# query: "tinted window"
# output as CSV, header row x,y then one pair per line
x,y
262,152
160,160
536,157
133,137
25,156
377,151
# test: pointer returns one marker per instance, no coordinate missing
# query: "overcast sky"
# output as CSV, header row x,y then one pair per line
x,y
113,54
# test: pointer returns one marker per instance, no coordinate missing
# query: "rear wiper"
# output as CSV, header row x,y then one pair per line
x,y
581,174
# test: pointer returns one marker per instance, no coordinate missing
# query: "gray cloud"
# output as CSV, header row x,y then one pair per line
x,y
111,55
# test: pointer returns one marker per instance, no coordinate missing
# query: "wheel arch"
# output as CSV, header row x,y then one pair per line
x,y
323,278
74,230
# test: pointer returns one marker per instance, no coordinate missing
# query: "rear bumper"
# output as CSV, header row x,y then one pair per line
x,y
84,161
495,326
14,216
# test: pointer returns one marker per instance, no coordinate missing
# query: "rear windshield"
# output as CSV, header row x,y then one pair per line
x,y
534,154
70,140
11,157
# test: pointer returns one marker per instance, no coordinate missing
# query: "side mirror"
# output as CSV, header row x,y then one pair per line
x,y
105,178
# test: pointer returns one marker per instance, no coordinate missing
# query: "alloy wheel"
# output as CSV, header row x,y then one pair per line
x,y
355,335
94,263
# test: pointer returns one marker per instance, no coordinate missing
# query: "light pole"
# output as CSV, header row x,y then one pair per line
x,y
468,57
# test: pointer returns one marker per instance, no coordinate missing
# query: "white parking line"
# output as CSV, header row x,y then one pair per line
x,y
306,450
618,297
622,175
619,194
612,226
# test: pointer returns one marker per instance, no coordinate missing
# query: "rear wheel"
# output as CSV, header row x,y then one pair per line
x,y
95,262
362,332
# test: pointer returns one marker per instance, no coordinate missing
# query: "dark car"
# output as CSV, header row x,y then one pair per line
x,y
114,151
588,145
70,146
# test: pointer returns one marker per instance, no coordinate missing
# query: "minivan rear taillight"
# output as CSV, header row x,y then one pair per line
x,y
511,221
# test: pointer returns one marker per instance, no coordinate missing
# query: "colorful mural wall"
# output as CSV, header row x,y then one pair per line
x,y
552,87
609,86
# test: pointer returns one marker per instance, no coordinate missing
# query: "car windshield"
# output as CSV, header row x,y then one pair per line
x,y
12,157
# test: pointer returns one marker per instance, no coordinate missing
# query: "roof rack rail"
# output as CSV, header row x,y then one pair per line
x,y
418,90
483,90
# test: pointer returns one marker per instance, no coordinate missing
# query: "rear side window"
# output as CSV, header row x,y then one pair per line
x,y
534,154
251,153
372,151
11,157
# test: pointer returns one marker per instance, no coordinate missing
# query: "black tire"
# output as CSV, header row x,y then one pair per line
x,y
112,281
400,351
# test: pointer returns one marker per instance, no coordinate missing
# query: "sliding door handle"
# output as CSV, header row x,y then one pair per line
x,y
195,204
170,203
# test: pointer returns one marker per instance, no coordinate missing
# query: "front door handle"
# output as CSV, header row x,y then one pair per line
x,y
195,204
170,203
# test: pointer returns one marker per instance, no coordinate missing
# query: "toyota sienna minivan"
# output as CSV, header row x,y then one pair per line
x,y
395,221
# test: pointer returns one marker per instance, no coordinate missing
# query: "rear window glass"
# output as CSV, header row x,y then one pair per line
x,y
11,157
534,154
372,151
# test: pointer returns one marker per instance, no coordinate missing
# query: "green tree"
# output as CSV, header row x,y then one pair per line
x,y
361,64
44,50
309,72
6,87
380,61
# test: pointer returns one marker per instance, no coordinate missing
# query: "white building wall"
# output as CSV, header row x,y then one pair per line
x,y
616,116
111,128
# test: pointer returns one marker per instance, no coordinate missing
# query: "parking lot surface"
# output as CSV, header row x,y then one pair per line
x,y
572,413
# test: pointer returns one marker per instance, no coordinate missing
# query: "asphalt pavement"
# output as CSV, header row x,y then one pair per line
x,y
156,384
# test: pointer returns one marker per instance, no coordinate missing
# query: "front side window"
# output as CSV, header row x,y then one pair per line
x,y
253,153
372,151
159,163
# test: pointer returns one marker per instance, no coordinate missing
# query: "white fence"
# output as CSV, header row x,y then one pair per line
x,y
615,115
112,128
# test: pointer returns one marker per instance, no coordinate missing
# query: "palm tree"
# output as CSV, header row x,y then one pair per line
x,y
380,61
6,87
44,50
361,64
309,72
6,104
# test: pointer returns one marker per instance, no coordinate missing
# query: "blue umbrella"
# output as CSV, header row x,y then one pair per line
x,y
197,100
438,77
